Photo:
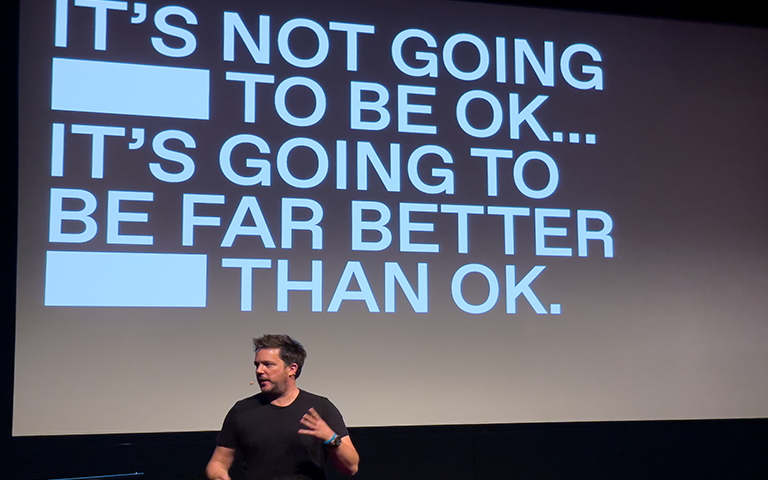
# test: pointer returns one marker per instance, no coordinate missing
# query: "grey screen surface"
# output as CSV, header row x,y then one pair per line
x,y
467,213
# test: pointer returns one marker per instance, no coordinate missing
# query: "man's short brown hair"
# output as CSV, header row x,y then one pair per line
x,y
291,351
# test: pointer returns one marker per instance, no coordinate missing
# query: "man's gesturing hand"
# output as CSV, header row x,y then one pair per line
x,y
316,426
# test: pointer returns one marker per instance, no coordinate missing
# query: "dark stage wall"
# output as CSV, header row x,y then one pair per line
x,y
715,449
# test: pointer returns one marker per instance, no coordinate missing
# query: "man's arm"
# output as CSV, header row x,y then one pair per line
x,y
221,460
344,456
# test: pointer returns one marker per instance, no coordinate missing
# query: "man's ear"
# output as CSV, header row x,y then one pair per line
x,y
292,370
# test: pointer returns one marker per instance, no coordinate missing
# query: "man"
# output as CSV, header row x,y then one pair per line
x,y
282,433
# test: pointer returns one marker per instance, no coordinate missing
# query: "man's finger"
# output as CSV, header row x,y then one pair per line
x,y
308,421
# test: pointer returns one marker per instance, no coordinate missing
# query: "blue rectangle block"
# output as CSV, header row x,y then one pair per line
x,y
117,279
130,89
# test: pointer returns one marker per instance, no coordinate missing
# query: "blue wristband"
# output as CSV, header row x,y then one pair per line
x,y
330,441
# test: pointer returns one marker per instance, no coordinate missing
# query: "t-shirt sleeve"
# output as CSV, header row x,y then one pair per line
x,y
228,435
334,419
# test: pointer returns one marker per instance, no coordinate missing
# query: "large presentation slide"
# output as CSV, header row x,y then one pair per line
x,y
467,213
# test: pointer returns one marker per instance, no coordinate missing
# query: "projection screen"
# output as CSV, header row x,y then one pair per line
x,y
467,213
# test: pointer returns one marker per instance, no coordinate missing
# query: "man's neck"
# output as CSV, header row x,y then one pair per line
x,y
287,397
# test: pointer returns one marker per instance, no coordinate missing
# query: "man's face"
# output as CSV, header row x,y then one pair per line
x,y
271,372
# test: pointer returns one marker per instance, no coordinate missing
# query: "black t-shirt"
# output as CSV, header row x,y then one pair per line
x,y
267,437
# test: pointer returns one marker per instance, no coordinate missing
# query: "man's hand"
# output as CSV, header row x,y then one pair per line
x,y
344,456
316,426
